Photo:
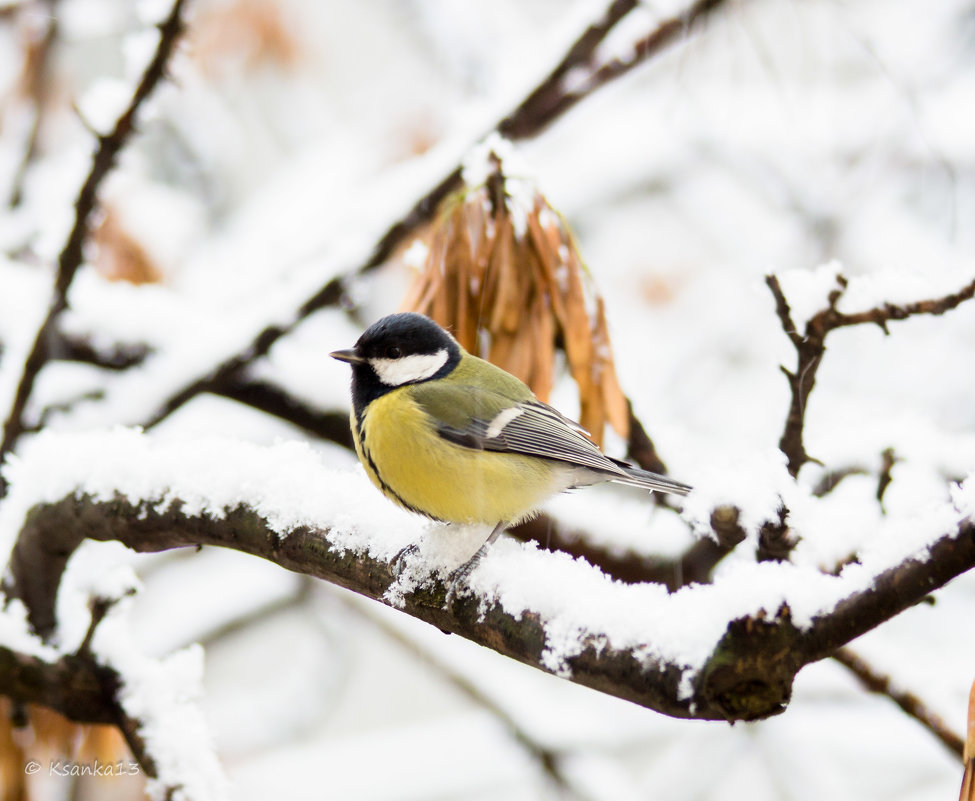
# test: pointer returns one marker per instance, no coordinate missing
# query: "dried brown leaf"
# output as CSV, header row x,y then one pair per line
x,y
121,257
521,297
616,404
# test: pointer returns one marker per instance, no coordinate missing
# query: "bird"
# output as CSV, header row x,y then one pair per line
x,y
457,439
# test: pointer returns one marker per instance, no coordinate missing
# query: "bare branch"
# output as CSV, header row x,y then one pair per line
x,y
109,146
35,83
641,449
811,345
831,479
876,682
748,676
547,758
889,459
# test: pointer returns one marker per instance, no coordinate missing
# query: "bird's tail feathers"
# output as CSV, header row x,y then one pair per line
x,y
635,477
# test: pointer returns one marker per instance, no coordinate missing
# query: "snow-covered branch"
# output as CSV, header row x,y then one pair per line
x,y
729,650
144,699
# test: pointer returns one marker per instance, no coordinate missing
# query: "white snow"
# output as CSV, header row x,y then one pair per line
x,y
520,188
286,484
800,139
164,696
16,634
103,103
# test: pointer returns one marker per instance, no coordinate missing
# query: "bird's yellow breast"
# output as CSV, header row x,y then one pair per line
x,y
406,458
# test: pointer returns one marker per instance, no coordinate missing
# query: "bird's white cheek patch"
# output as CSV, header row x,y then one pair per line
x,y
406,369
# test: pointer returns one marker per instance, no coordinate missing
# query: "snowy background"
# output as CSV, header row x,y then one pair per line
x,y
800,138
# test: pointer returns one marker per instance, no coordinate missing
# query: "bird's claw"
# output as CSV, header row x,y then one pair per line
x,y
398,562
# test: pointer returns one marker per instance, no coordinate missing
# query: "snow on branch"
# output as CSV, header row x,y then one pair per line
x,y
810,345
729,650
71,256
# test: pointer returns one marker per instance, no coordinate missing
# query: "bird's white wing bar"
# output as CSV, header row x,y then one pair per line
x,y
532,429
496,426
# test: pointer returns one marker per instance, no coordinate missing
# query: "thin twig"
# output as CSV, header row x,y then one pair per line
x,y
888,460
546,757
99,606
877,682
545,102
275,606
36,65
831,479
109,146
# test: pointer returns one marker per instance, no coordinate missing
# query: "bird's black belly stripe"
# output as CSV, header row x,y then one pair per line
x,y
386,488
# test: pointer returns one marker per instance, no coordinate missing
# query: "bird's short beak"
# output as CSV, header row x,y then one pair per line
x,y
349,356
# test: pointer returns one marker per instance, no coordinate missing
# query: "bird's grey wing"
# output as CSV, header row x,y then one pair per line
x,y
533,429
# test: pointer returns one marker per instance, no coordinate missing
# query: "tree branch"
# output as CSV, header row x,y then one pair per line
x,y
109,146
553,98
748,675
542,106
119,357
811,345
876,682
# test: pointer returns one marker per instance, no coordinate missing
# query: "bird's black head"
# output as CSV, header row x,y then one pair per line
x,y
399,349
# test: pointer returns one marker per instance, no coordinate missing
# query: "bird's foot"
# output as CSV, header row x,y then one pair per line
x,y
399,562
458,578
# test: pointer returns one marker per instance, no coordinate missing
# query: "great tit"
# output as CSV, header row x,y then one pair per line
x,y
453,437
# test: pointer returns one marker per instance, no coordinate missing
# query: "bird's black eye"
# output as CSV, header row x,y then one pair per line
x,y
393,352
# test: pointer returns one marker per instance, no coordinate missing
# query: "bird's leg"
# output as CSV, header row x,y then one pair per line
x,y
459,576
